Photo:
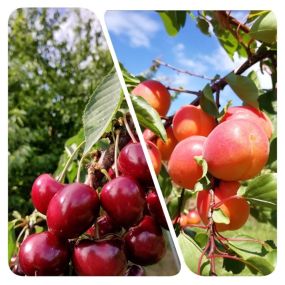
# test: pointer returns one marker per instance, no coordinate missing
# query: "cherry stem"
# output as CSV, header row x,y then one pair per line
x,y
116,152
62,175
129,129
21,233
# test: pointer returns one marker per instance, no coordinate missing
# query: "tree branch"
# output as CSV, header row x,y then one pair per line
x,y
196,93
160,62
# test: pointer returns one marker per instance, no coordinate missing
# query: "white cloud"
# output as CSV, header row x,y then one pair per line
x,y
138,28
216,61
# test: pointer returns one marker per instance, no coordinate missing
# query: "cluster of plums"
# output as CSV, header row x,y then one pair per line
x,y
110,231
235,149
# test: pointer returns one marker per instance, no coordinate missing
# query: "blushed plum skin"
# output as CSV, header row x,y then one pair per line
x,y
43,189
190,121
236,150
182,167
123,200
166,148
155,94
236,209
251,114
73,210
43,254
104,257
145,243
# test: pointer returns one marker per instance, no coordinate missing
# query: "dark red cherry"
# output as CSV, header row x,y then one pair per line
x,y
155,209
105,225
73,210
132,162
43,189
104,257
135,270
123,200
43,254
145,243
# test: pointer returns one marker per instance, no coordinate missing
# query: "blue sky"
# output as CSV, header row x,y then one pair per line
x,y
139,37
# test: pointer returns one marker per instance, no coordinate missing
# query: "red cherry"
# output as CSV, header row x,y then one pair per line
x,y
105,226
132,162
123,200
43,189
155,209
73,210
100,258
43,254
145,243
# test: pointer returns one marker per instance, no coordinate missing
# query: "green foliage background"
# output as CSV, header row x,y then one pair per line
x,y
56,58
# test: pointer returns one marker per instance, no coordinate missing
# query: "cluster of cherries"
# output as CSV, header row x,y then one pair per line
x,y
110,231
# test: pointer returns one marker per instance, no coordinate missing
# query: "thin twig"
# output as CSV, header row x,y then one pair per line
x,y
160,62
182,90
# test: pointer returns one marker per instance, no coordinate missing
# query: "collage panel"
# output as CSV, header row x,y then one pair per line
x,y
204,88
82,201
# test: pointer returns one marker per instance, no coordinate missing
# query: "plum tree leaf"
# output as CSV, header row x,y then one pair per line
x,y
203,25
148,117
173,21
265,28
208,103
220,217
203,182
244,88
261,190
100,109
164,182
191,252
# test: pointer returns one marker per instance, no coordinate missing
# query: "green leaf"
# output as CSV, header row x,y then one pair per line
x,y
11,240
203,182
148,117
264,29
233,266
208,103
244,87
260,264
224,110
172,207
165,182
200,236
100,109
253,76
203,25
261,191
130,80
191,252
173,21
220,218
258,258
